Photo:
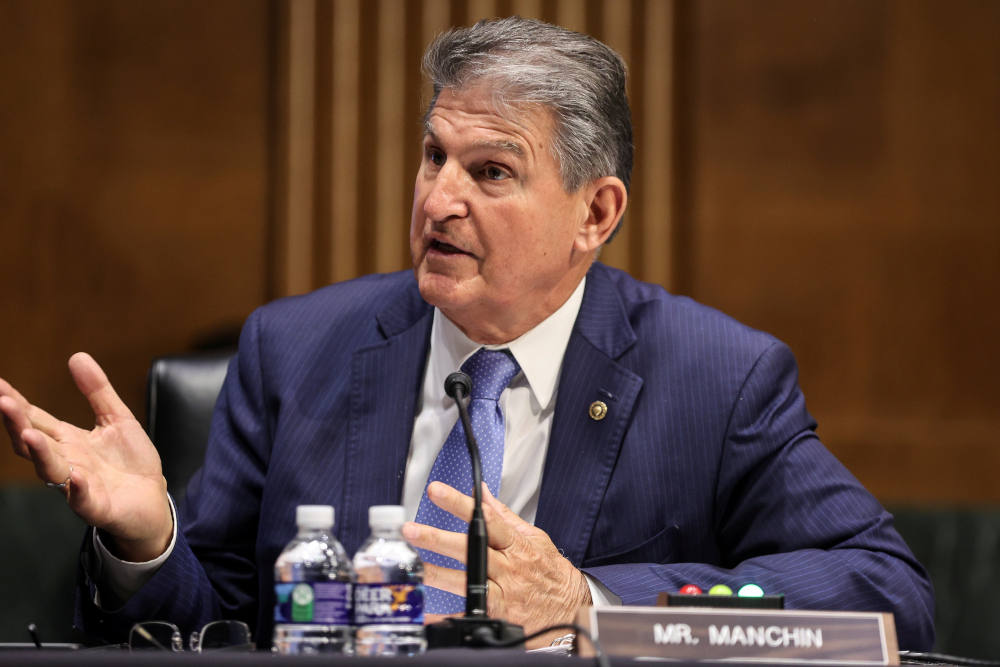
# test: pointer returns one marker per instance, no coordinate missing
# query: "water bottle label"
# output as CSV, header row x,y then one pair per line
x,y
319,602
388,603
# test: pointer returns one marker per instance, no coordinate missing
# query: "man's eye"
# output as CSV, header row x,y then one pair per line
x,y
435,157
494,173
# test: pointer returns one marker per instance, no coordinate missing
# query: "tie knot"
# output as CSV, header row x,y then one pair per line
x,y
491,371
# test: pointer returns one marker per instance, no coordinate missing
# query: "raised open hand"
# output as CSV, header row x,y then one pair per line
x,y
111,475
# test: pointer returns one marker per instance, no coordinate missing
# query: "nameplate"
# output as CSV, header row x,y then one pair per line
x,y
746,635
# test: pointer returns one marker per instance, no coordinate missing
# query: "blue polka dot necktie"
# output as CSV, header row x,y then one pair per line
x,y
491,371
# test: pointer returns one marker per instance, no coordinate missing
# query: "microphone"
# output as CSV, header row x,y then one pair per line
x,y
458,386
476,628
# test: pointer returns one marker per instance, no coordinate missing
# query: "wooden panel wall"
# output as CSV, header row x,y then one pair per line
x,y
821,170
839,168
350,103
134,186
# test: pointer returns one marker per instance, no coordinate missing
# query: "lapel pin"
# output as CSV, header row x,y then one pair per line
x,y
598,410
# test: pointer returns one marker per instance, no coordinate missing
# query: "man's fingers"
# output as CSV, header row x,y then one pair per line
x,y
7,389
499,525
15,422
450,500
43,421
13,406
94,385
503,525
19,415
452,581
49,465
444,542
489,500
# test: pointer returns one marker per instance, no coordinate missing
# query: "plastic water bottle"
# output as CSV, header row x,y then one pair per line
x,y
389,595
313,587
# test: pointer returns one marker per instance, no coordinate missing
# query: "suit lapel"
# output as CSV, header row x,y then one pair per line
x,y
583,447
385,387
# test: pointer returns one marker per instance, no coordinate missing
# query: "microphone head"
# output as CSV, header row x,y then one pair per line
x,y
457,385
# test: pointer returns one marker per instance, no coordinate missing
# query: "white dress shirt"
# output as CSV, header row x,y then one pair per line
x,y
528,405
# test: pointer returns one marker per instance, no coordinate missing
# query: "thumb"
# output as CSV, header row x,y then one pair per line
x,y
94,385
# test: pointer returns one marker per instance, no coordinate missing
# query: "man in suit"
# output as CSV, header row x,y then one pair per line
x,y
650,441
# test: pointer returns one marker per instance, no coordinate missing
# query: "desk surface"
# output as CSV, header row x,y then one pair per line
x,y
453,657
436,658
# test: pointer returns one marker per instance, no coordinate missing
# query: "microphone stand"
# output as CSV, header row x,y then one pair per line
x,y
476,628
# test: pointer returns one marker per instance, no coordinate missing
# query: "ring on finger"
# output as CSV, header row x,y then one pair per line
x,y
63,484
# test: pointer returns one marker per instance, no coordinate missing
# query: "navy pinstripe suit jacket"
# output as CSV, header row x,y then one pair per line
x,y
706,469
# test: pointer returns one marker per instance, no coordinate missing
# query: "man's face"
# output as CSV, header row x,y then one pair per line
x,y
493,234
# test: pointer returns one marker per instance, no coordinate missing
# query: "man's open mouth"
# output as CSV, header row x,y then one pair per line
x,y
446,248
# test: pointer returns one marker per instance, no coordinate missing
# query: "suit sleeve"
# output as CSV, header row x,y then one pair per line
x,y
211,573
791,518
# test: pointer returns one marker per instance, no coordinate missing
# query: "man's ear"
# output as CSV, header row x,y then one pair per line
x,y
606,199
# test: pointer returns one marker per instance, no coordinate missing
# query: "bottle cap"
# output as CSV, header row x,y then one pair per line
x,y
314,516
386,516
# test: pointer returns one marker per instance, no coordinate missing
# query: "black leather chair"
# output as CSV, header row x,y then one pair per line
x,y
180,397
38,559
960,547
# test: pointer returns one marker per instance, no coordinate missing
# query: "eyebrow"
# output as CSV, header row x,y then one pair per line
x,y
512,147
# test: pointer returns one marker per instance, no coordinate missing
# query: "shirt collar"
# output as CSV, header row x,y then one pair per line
x,y
539,351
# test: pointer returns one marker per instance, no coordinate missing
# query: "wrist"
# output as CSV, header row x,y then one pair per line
x,y
135,551
586,599
142,549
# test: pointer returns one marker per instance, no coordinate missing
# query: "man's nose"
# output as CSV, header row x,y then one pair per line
x,y
448,194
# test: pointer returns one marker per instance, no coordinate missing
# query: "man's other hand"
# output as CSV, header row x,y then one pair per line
x,y
112,473
530,582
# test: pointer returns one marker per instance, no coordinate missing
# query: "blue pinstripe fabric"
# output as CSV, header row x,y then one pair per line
x,y
706,469
491,371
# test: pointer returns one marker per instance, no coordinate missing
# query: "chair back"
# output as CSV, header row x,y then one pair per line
x,y
181,392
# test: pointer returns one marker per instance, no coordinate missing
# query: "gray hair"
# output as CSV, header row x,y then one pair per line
x,y
526,62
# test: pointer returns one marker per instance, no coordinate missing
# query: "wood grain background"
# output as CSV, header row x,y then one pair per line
x,y
824,170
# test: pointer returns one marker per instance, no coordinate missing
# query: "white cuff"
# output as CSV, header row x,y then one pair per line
x,y
121,579
600,595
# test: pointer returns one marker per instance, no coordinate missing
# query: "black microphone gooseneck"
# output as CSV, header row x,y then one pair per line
x,y
475,628
458,386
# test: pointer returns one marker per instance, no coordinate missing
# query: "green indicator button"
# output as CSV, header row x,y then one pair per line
x,y
720,589
751,591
